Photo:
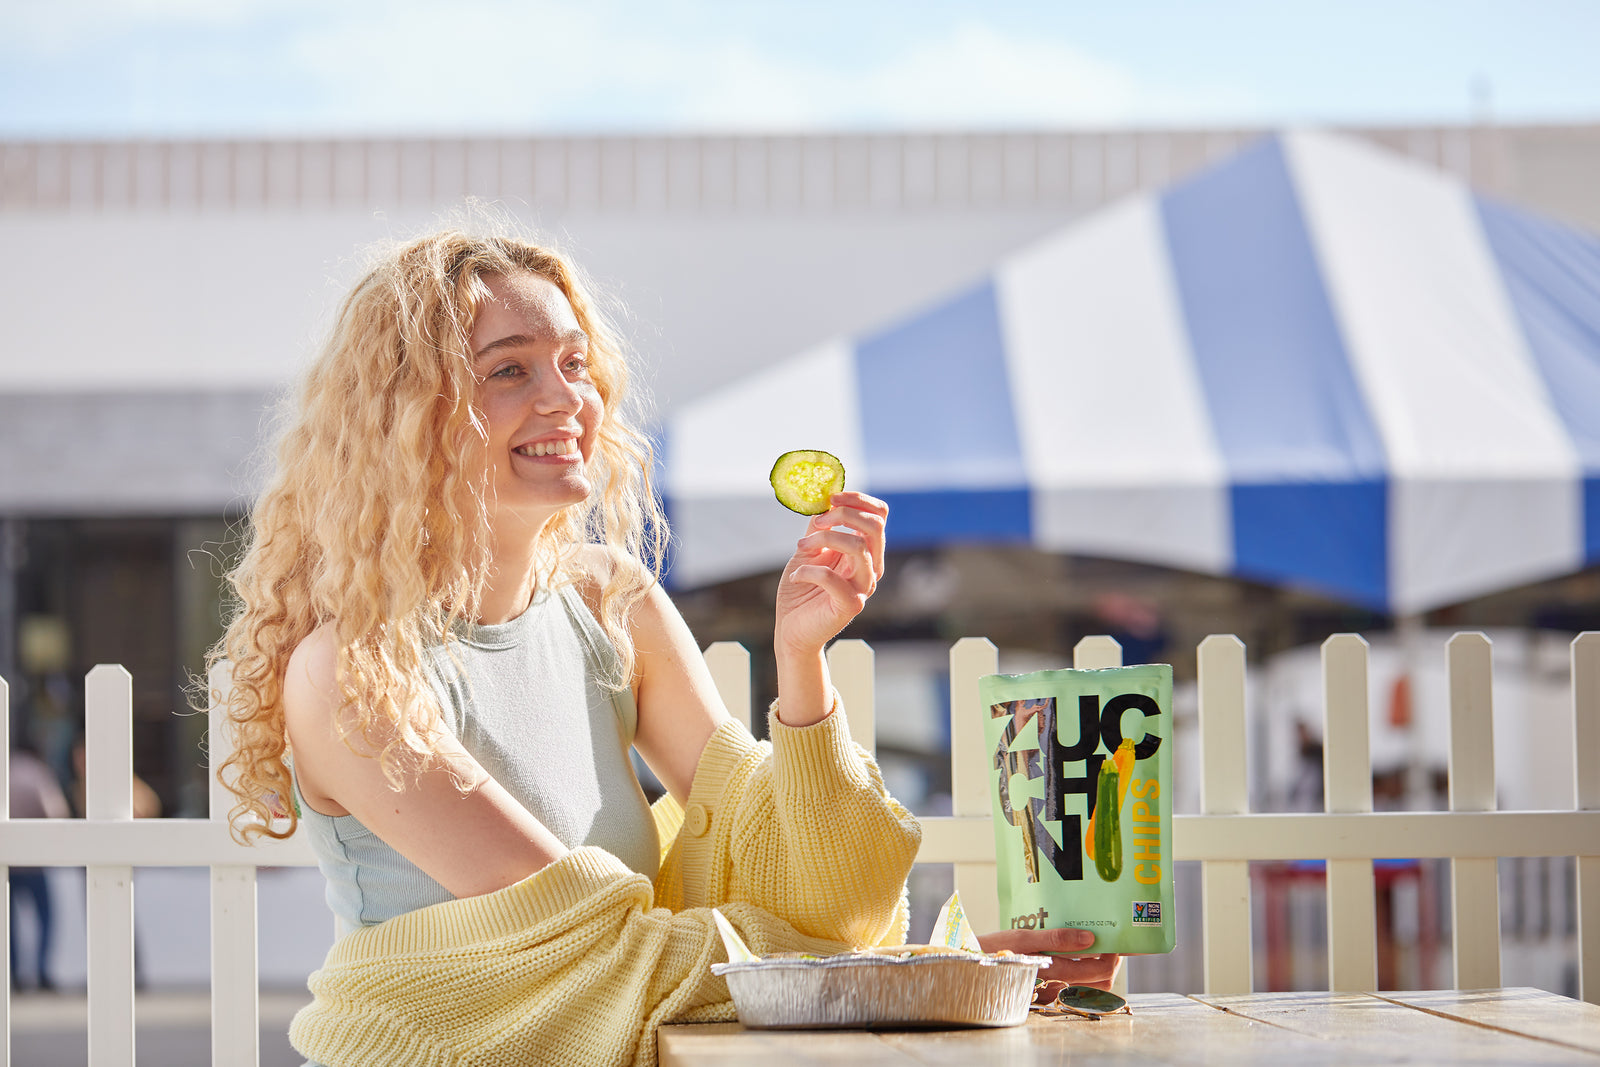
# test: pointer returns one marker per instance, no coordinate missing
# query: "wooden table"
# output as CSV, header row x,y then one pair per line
x,y
1493,1026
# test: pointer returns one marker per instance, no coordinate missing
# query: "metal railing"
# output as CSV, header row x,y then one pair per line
x,y
739,173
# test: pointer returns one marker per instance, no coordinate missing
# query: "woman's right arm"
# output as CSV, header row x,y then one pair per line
x,y
451,819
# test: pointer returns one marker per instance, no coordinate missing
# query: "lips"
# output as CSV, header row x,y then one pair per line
x,y
559,446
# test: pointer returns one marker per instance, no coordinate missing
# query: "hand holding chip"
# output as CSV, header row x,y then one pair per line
x,y
834,570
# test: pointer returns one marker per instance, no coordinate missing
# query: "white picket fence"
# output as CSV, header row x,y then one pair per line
x,y
1349,835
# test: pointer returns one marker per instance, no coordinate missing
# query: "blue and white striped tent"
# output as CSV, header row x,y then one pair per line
x,y
1315,364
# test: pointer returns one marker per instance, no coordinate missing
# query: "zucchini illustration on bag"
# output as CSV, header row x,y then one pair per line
x,y
1108,824
1123,757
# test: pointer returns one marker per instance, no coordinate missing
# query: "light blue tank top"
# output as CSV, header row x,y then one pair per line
x,y
526,699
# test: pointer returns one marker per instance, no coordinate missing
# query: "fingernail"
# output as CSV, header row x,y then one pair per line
x,y
1082,938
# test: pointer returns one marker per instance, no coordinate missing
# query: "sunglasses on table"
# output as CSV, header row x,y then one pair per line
x,y
1087,1001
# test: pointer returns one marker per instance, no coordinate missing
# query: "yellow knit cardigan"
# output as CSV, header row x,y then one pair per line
x,y
797,841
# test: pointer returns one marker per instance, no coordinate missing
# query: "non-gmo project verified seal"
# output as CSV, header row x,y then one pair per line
x,y
1147,913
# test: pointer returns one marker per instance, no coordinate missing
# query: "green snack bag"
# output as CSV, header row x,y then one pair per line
x,y
1080,785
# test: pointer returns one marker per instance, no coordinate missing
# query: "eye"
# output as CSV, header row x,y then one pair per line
x,y
576,363
508,370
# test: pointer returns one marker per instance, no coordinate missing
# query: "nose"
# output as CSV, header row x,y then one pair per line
x,y
554,394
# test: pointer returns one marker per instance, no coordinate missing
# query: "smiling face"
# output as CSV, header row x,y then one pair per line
x,y
531,361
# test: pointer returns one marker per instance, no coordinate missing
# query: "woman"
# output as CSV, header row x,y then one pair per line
x,y
450,635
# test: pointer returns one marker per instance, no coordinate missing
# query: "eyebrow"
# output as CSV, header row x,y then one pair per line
x,y
573,336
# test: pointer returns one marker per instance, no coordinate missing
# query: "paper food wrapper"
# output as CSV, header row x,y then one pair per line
x,y
951,928
1080,787
738,951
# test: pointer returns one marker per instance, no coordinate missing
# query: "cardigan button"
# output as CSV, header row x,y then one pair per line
x,y
697,820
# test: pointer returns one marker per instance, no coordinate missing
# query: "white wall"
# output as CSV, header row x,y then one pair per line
x,y
141,302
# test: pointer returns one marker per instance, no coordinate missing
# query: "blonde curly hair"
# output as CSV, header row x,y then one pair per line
x,y
376,521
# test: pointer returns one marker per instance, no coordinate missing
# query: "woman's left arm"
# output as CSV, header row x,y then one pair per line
x,y
834,570
825,584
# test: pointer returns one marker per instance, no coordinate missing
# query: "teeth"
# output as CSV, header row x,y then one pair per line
x,y
563,447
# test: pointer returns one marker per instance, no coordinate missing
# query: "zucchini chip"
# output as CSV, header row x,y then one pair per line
x,y
804,481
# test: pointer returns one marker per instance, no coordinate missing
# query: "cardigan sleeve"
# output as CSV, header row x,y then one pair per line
x,y
573,965
802,828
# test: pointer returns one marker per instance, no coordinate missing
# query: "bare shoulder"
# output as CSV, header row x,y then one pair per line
x,y
310,703
311,685
596,566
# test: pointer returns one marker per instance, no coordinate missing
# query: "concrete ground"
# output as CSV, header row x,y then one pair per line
x,y
171,1029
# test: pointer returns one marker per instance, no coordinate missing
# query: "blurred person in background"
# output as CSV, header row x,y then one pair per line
x,y
146,801
451,631
35,794
146,805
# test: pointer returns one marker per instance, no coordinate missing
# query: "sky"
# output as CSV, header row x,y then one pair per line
x,y
206,68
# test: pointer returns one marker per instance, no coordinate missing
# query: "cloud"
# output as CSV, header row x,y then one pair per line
x,y
62,27
408,66
490,64
974,74
477,64
971,75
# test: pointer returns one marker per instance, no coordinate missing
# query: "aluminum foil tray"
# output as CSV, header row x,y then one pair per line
x,y
875,991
